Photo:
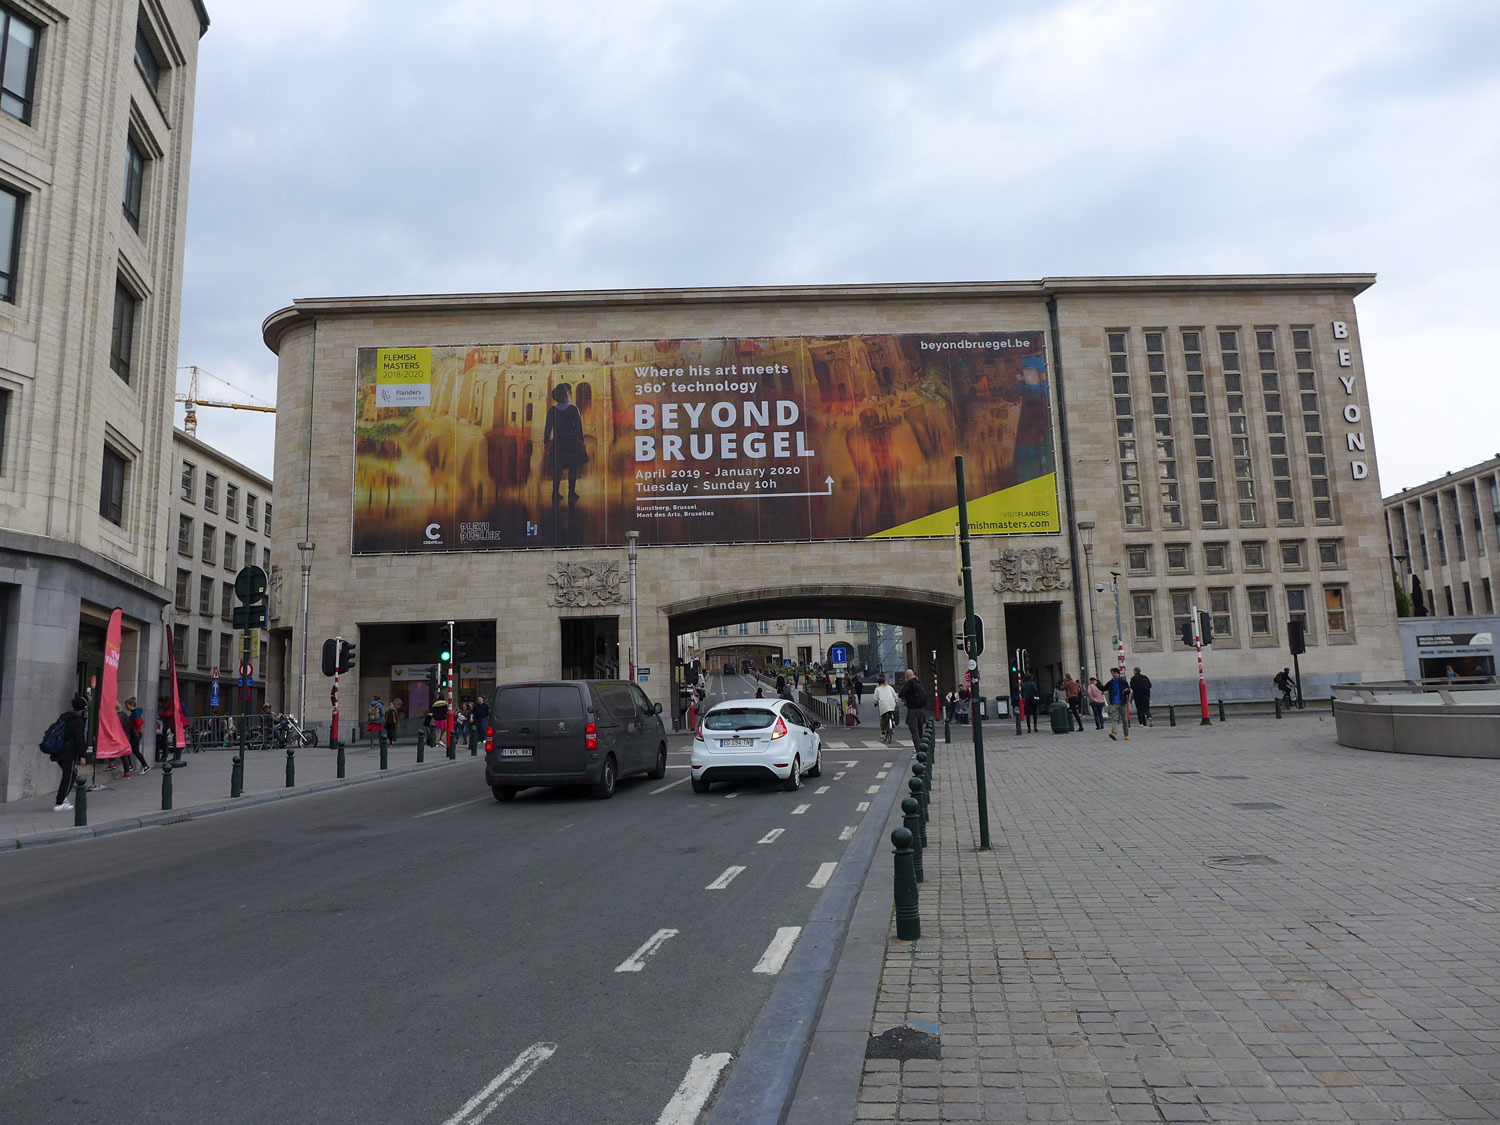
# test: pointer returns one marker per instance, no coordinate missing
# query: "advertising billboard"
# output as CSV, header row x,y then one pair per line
x,y
723,440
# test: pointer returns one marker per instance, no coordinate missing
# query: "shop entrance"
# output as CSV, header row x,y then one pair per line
x,y
1036,627
591,648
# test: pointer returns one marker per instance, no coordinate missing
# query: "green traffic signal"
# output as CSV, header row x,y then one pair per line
x,y
446,656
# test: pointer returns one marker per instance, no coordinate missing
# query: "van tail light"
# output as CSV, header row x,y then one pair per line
x,y
489,739
591,736
779,730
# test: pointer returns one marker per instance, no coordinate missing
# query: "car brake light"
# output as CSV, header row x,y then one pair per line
x,y
591,736
489,739
779,730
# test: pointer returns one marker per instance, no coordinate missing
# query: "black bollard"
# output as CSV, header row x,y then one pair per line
x,y
166,786
235,776
385,743
1277,701
911,820
474,741
341,759
1171,715
291,767
947,734
908,915
431,736
421,749
384,754
80,801
1331,711
915,787
451,750
1221,711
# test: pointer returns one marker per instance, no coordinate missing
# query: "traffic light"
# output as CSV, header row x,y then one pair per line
x,y
1206,626
1296,635
346,656
330,656
460,649
445,656
1187,635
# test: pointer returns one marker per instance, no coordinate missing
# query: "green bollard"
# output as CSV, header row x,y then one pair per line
x,y
291,767
908,915
1171,715
385,743
947,737
80,802
452,750
915,786
341,760
384,754
473,741
431,736
1221,711
911,820
166,786
1277,701
235,776
421,748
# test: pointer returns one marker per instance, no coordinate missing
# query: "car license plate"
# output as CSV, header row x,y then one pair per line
x,y
736,742
515,752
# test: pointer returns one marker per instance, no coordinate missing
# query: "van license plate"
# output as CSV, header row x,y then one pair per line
x,y
736,742
515,752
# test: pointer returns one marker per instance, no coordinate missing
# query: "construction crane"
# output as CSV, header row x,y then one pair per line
x,y
190,419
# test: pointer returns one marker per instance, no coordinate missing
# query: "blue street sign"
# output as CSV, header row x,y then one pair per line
x,y
839,654
644,673
213,694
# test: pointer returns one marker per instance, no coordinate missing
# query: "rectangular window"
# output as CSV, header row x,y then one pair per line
x,y
765,626
179,646
188,490
744,628
10,242
1296,608
1182,612
205,636
185,536
226,602
1468,599
17,65
722,631
265,563
830,625
251,503
231,545
184,581
210,492
135,181
265,523
1259,599
112,487
206,596
1177,557
249,553
1489,599
146,56
1139,559
226,652
803,625
122,335
209,538
1255,556
1218,608
1216,556
1291,554
1333,605
1330,552
232,502
1145,617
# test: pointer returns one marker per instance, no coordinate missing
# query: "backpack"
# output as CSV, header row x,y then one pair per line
x,y
55,740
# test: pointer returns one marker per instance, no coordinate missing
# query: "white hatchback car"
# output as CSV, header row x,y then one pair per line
x,y
756,740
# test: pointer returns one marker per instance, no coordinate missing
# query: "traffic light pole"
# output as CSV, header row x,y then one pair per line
x,y
333,731
452,659
968,572
1204,721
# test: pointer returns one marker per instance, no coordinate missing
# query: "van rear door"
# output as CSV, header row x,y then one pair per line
x,y
516,726
562,720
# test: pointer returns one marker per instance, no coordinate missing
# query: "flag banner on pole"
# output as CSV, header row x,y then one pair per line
x,y
113,742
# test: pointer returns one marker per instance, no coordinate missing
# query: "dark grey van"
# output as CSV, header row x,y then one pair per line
x,y
572,732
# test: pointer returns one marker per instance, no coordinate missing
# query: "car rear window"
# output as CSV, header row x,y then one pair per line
x,y
516,704
739,718
561,701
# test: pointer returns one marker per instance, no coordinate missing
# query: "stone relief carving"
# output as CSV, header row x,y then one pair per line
x,y
582,584
1031,570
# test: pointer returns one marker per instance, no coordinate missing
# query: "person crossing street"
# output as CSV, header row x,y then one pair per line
x,y
1117,693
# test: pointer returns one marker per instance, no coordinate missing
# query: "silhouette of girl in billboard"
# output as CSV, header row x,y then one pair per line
x,y
562,443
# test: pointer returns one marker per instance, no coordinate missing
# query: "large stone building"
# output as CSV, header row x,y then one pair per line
x,y
221,514
96,122
789,453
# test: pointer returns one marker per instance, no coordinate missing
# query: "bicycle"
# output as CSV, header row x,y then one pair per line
x,y
888,720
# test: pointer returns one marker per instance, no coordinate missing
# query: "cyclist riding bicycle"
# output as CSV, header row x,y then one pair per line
x,y
887,708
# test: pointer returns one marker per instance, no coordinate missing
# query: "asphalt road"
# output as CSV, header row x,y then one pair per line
x,y
416,952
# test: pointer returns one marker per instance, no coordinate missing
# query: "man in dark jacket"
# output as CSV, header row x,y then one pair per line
x,y
915,697
1140,693
1117,694
75,731
1031,698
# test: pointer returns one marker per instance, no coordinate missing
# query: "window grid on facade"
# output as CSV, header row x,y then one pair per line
x,y
1281,462
179,646
232,502
185,536
1182,612
135,182
251,503
1161,424
1144,611
1206,469
249,553
1138,559
1245,492
204,637
184,582
1258,598
1255,556
226,601
208,544
744,628
18,40
1312,424
226,652
122,334
112,487
1130,466
1333,606
765,626
210,492
1296,609
11,208
188,489
206,596
1220,613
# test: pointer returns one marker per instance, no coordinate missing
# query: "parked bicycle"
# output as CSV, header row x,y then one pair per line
x,y
288,732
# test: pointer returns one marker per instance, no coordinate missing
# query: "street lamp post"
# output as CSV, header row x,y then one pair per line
x,y
1086,528
305,548
632,543
1114,584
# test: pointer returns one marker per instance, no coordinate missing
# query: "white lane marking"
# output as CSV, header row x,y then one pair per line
x,y
850,765
840,775
863,806
669,785
825,873
504,1084
873,789
770,837
800,809
691,1096
820,789
882,773
847,833
886,765
731,796
777,952
724,880
445,808
637,960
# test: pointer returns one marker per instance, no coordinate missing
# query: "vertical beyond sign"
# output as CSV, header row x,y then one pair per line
x,y
731,440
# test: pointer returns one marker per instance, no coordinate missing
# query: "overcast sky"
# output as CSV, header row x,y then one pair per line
x,y
504,145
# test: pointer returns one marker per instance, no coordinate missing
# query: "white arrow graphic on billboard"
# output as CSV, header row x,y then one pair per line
x,y
749,495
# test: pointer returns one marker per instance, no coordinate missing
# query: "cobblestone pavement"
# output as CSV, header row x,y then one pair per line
x,y
1246,922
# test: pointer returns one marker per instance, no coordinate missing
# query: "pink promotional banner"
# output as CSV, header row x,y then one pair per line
x,y
113,742
179,720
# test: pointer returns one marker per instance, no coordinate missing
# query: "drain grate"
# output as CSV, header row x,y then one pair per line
x,y
1226,861
1259,806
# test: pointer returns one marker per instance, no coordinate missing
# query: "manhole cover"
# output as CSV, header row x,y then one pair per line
x,y
904,1043
1259,806
325,828
1240,861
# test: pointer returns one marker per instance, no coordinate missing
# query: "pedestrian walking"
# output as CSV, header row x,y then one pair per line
x,y
1073,694
482,715
75,747
390,725
1117,691
915,697
1096,702
134,720
1031,700
1140,692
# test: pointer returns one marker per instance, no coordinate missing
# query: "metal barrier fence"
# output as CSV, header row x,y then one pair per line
x,y
222,732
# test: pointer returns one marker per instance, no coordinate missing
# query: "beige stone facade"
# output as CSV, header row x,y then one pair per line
x,y
95,143
1215,432
1446,534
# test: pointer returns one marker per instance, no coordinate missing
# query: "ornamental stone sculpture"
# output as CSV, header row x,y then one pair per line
x,y
1032,570
576,585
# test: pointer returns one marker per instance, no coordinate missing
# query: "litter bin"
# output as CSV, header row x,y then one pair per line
x,y
1062,719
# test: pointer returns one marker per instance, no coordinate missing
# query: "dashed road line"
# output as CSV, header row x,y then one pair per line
x,y
671,784
850,765
863,806
840,775
637,960
446,808
821,789
800,809
724,880
777,952
847,833
691,1096
873,790
882,773
825,873
886,765
770,837
504,1084
731,796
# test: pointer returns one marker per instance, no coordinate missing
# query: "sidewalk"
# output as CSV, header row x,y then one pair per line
x,y
1245,922
200,787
